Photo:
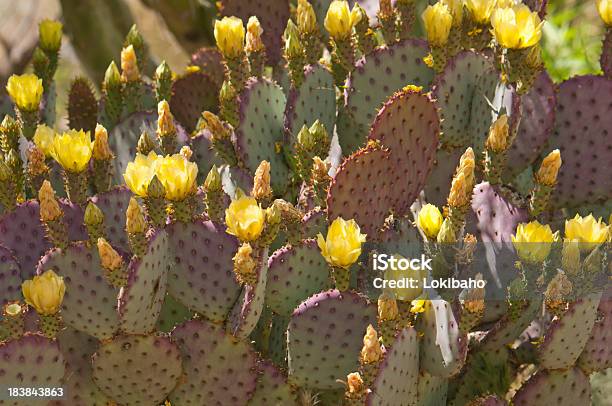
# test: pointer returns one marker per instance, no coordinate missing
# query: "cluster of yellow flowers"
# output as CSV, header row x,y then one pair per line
x,y
342,247
177,174
71,149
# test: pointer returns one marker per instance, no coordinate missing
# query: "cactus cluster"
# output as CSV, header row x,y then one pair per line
x,y
210,237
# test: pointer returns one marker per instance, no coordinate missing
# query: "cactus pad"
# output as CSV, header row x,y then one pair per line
x,y
408,125
210,61
219,369
137,370
82,106
114,205
462,91
314,100
568,334
31,360
324,337
397,379
272,14
563,387
295,273
360,190
192,94
506,330
440,178
582,129
250,305
90,303
597,353
201,273
314,222
172,314
536,125
203,154
272,387
259,135
10,277
431,390
140,301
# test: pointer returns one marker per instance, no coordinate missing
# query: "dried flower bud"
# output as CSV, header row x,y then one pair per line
x,y
261,182
36,162
101,149
354,382
320,169
49,206
135,222
547,174
186,152
165,121
371,351
458,195
498,135
129,65
387,307
109,257
253,35
474,300
244,264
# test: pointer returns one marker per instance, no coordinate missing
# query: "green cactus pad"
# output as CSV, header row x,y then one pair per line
x,y
440,178
249,307
324,337
376,77
568,334
272,15
10,277
463,91
314,222
203,154
563,387
219,369
582,133
314,100
408,125
90,303
192,94
80,389
360,190
536,124
443,347
210,60
277,342
82,106
137,370
114,204
140,301
259,135
597,353
172,314
272,387
506,330
201,275
397,380
6,106
431,390
295,273
32,360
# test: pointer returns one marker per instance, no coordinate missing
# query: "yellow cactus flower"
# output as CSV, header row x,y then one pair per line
x,y
438,21
43,138
396,272
25,91
340,20
587,231
178,176
430,220
72,150
604,7
44,292
419,305
138,174
516,27
229,34
456,9
50,35
306,17
480,10
342,246
547,174
245,218
533,241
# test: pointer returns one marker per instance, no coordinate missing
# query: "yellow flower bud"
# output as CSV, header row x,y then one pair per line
x,y
101,149
93,215
371,351
342,247
516,27
50,35
45,292
25,91
339,20
213,180
43,138
399,269
498,135
446,235
438,21
533,241
481,10
112,77
129,65
165,121
587,231
229,34
604,7
387,307
72,150
418,306
261,182
570,256
109,257
547,174
138,174
354,382
430,220
178,175
456,9
49,206
245,218
135,222
253,35
306,17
